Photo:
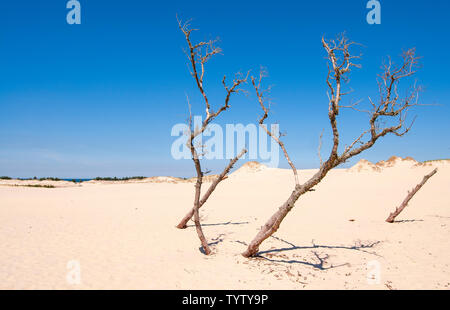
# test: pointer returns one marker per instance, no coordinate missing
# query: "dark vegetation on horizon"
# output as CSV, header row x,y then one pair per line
x,y
432,160
31,185
75,180
37,185
44,179
119,179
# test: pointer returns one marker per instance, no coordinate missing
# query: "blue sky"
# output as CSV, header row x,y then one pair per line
x,y
100,98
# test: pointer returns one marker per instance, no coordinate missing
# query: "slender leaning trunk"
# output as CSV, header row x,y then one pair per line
x,y
188,216
198,187
198,226
393,215
275,220
271,225
222,176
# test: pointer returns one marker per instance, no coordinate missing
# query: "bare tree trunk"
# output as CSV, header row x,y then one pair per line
x,y
410,195
220,178
198,187
275,220
270,227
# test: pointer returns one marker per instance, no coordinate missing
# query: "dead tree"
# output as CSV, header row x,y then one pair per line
x,y
393,215
387,116
198,55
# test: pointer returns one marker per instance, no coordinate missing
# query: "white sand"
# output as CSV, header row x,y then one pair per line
x,y
124,236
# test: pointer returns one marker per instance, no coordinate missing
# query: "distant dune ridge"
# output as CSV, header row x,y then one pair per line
x,y
396,162
364,165
37,183
249,167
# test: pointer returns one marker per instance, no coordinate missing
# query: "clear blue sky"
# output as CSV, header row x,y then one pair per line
x,y
100,98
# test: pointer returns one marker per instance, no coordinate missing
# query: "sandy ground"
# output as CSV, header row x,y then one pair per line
x,y
123,236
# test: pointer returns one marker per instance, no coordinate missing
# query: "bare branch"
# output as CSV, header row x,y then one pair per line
x,y
198,55
212,187
391,107
261,99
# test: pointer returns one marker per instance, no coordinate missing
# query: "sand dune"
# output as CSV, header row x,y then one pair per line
x,y
123,235
37,183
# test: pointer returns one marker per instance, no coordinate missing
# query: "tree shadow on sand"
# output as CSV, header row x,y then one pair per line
x,y
220,224
407,221
214,242
320,260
